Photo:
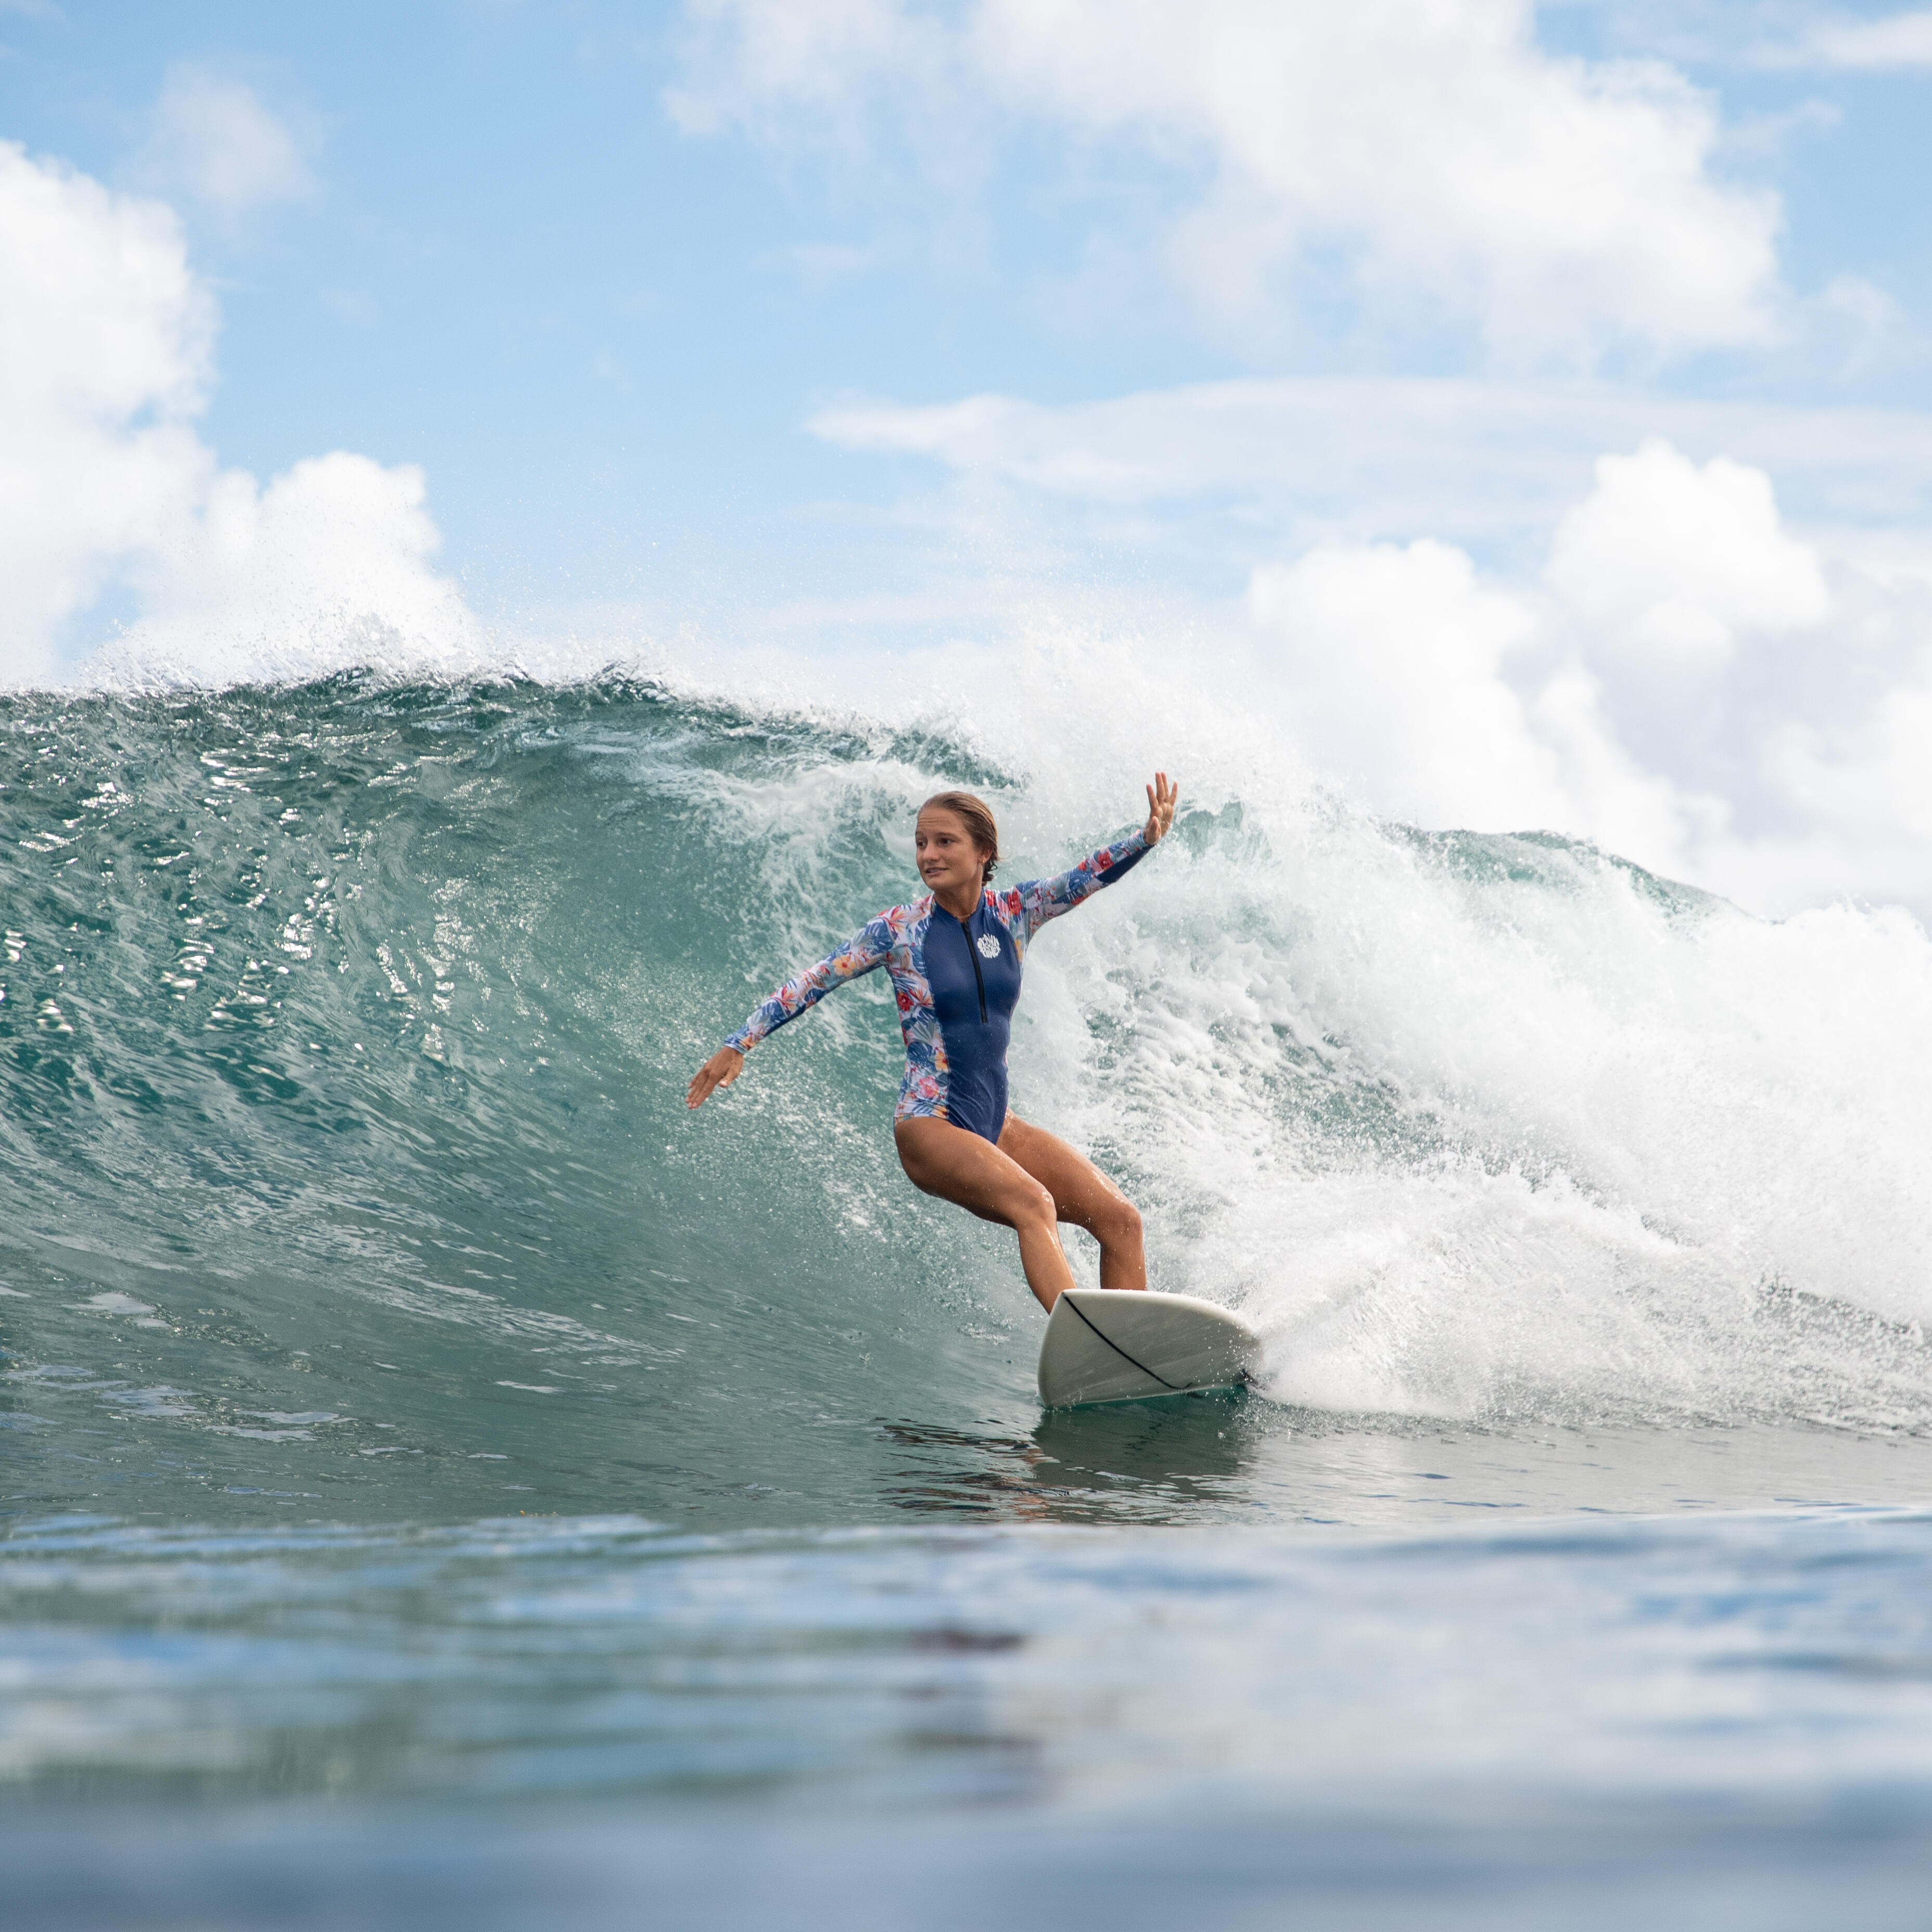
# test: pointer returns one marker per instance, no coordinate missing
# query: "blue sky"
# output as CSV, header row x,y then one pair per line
x,y
597,332
1299,329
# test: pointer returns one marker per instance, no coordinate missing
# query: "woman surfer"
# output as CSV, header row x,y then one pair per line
x,y
954,957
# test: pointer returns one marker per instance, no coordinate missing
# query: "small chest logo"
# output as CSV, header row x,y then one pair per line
x,y
989,946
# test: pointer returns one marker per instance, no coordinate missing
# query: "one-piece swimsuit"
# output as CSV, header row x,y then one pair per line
x,y
957,982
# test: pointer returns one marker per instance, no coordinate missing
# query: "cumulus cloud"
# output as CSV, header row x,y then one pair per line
x,y
1622,698
212,140
107,490
1667,564
104,341
1390,658
327,564
1393,664
1560,206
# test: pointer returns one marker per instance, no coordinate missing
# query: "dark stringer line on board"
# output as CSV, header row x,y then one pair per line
x,y
1177,1387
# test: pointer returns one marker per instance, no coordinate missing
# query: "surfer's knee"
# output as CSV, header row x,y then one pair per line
x,y
1119,1223
1036,1207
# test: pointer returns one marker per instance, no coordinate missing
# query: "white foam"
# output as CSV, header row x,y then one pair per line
x,y
1471,1128
1465,1147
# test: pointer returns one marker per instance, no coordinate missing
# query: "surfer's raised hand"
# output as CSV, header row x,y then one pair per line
x,y
1161,798
720,1070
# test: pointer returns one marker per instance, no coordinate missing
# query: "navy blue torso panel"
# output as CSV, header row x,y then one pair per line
x,y
955,985
974,973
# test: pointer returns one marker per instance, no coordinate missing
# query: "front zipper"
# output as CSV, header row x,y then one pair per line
x,y
978,978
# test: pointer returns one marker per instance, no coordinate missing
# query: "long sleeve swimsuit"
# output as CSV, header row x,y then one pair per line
x,y
957,982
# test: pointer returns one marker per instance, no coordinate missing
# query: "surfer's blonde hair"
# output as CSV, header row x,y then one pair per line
x,y
977,817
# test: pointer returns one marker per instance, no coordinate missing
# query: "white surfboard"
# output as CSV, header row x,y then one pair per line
x,y
1117,1345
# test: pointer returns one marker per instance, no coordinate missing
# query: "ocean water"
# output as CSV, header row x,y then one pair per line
x,y
445,1482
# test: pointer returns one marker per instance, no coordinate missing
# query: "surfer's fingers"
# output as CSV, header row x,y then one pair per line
x,y
710,1077
1161,797
720,1070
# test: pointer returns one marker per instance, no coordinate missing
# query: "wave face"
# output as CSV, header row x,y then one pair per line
x,y
346,1025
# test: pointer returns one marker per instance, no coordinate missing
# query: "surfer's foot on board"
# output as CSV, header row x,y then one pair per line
x,y
1030,1183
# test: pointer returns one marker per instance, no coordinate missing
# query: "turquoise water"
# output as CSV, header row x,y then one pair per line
x,y
434,1458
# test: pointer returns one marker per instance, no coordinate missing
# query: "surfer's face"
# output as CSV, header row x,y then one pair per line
x,y
948,858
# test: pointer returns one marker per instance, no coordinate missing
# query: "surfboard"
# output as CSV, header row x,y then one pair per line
x,y
1115,1345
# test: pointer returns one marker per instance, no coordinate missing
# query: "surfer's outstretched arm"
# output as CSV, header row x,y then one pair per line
x,y
1040,900
865,950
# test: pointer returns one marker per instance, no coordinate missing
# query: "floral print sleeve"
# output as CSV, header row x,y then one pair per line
x,y
865,950
955,982
1037,900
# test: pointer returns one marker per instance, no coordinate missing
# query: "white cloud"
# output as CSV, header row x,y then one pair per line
x,y
328,563
1890,43
213,140
1390,657
1392,662
1455,604
1667,563
104,339
1487,463
1449,700
814,60
107,487
1558,205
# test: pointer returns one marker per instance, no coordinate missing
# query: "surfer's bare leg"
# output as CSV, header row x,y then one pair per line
x,y
1083,1195
958,1166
